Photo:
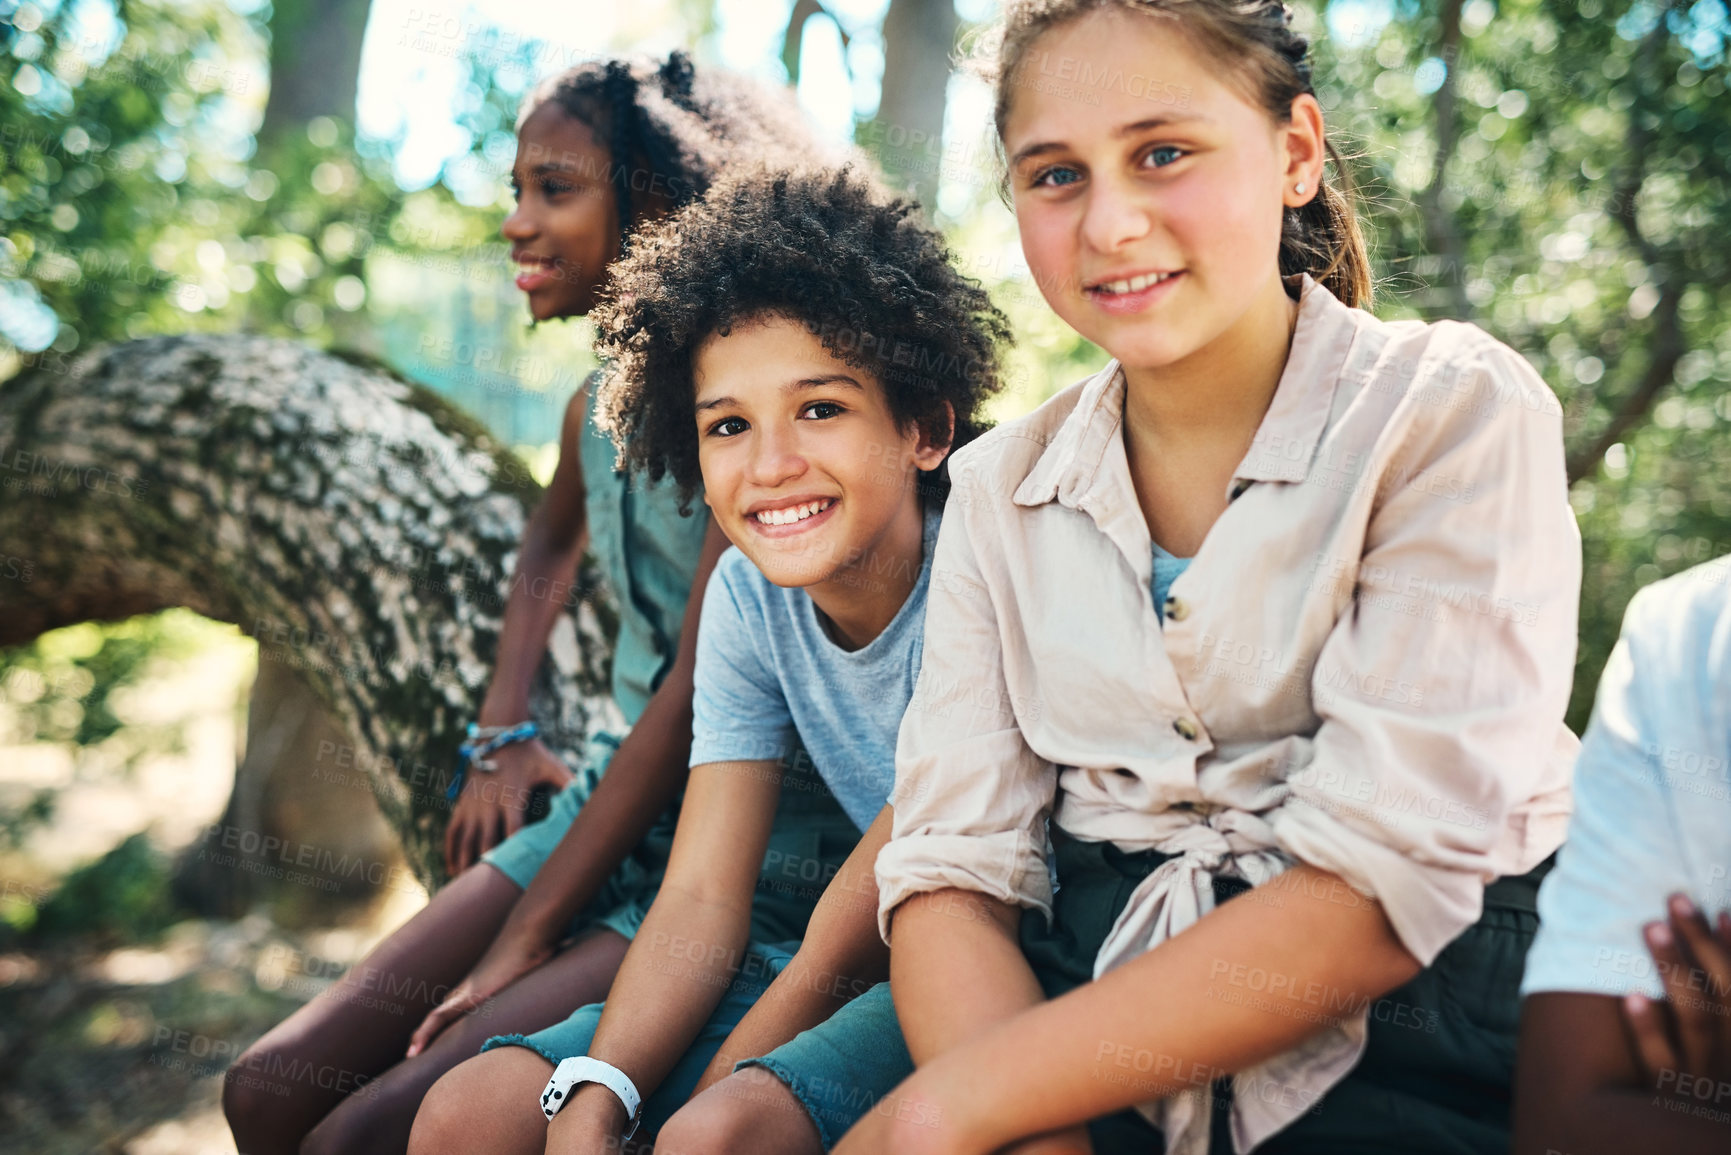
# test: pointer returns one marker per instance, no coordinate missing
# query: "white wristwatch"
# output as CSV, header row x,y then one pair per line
x,y
582,1069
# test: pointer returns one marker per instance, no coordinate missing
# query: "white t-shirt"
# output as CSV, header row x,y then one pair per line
x,y
1652,793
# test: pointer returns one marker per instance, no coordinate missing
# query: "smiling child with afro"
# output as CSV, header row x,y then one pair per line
x,y
825,248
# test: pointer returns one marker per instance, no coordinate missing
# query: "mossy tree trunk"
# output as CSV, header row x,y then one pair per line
x,y
363,530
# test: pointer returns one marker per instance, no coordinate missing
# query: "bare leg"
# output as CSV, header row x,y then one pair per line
x,y
751,1112
378,1119
304,1066
491,1103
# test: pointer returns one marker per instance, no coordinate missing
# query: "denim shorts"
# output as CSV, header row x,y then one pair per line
x,y
838,1070
763,961
625,897
811,838
846,1065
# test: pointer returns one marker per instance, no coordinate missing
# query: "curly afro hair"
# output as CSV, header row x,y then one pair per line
x,y
683,123
825,248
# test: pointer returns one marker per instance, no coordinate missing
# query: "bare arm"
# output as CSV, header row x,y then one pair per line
x,y
840,958
1042,1070
553,544
942,1005
1599,1074
1578,1088
494,805
641,782
689,946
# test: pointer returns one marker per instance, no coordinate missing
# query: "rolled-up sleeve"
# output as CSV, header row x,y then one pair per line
x,y
971,798
1439,691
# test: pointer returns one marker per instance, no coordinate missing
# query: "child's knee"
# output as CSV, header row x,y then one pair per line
x,y
701,1127
747,1113
252,1102
447,1115
508,1083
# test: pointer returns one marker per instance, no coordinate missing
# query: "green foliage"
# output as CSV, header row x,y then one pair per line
x,y
63,686
122,897
1588,197
69,686
134,203
108,131
1583,214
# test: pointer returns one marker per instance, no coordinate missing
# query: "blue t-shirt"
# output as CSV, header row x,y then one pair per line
x,y
1167,567
767,674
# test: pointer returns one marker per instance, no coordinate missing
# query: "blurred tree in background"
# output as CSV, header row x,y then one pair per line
x,y
138,199
1560,174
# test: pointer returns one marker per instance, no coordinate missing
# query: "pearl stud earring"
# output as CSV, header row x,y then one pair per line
x,y
1299,188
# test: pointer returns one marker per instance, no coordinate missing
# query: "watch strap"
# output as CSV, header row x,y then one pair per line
x,y
583,1069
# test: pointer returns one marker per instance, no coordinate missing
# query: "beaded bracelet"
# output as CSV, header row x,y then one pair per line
x,y
482,741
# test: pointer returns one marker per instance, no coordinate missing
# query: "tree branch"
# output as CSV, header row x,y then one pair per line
x,y
1441,230
804,10
359,527
1668,343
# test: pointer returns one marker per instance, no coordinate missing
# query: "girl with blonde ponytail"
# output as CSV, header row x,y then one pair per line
x,y
1257,641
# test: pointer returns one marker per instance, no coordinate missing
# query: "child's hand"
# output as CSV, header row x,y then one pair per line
x,y
494,803
511,956
1686,1038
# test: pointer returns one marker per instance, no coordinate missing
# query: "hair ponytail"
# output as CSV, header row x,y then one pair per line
x,y
1322,238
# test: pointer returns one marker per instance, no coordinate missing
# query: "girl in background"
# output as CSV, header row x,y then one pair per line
x,y
534,926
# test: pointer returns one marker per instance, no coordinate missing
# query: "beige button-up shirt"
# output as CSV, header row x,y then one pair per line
x,y
1364,668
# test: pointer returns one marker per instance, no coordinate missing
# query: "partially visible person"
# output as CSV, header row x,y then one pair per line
x,y
535,925
804,349
1626,1020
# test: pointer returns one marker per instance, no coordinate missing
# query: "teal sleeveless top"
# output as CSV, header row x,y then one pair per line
x,y
648,556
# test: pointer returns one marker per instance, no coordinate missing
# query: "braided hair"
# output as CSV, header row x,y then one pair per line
x,y
671,125
1256,45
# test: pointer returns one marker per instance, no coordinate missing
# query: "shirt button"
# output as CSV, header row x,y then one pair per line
x,y
1186,729
1177,609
